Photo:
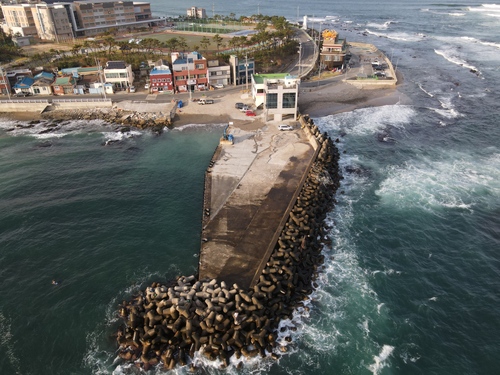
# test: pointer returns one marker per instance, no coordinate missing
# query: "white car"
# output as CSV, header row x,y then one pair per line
x,y
132,88
146,86
285,127
218,85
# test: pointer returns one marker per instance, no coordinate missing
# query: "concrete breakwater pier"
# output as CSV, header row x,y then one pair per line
x,y
218,313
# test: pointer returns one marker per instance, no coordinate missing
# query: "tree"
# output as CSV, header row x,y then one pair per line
x,y
205,42
183,44
217,40
75,50
110,43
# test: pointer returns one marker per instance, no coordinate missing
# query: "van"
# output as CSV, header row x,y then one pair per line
x,y
206,101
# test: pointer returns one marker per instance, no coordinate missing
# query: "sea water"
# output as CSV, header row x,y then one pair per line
x,y
410,282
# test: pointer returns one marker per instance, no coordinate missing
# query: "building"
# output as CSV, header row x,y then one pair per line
x,y
23,85
119,74
19,19
96,16
195,12
333,50
190,71
277,94
64,85
218,73
43,84
160,78
53,22
241,69
62,21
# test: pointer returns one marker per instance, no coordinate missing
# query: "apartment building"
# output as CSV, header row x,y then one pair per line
x,y
195,12
218,73
53,21
333,50
19,19
60,21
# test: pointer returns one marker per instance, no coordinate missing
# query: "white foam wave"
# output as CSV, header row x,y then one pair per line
x,y
452,57
456,182
380,360
474,40
371,120
456,14
398,36
486,8
7,344
427,92
381,26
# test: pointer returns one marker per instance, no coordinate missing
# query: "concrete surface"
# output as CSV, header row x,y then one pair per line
x,y
252,185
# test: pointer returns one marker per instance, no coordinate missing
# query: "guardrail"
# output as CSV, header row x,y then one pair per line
x,y
40,101
80,100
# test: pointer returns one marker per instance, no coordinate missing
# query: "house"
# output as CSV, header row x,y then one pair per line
x,y
119,74
23,85
64,85
241,69
218,73
277,94
43,84
14,75
190,71
161,78
333,50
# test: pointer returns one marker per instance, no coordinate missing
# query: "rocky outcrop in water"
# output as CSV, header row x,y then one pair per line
x,y
141,120
167,323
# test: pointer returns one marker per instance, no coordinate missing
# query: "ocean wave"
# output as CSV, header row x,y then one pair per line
x,y
398,36
485,8
380,360
474,40
7,344
371,120
381,26
457,181
452,57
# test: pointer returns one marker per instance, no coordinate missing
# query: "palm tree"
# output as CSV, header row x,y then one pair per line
x,y
183,44
110,42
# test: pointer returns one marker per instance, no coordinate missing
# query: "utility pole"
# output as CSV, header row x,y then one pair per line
x,y
246,71
300,57
4,78
98,63
319,50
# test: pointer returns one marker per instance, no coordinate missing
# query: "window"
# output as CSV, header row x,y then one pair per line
x,y
200,66
272,101
154,80
289,100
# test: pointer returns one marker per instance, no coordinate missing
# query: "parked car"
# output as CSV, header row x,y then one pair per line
x,y
146,86
285,127
244,108
250,113
379,74
239,105
23,94
218,86
132,88
206,101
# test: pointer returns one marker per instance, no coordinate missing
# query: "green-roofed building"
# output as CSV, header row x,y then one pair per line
x,y
277,93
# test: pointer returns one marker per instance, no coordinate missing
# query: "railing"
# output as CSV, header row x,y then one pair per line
x,y
40,101
80,100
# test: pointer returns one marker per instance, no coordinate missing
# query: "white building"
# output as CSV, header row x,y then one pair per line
x,y
119,74
277,93
218,73
195,12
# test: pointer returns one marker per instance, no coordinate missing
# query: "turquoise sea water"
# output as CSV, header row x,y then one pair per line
x,y
410,284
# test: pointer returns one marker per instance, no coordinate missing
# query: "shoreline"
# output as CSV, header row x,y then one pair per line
x,y
327,100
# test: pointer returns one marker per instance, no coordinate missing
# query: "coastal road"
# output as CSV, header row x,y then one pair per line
x,y
306,55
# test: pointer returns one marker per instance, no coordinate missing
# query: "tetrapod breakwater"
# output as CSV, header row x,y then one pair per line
x,y
167,323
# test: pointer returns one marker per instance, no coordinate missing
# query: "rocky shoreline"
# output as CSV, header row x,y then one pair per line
x,y
115,116
166,324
